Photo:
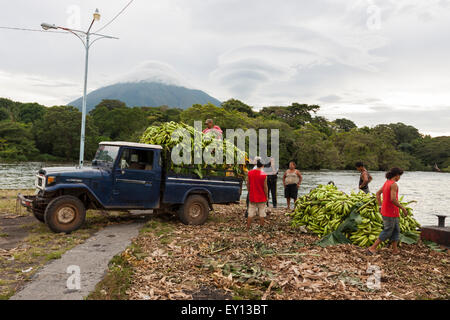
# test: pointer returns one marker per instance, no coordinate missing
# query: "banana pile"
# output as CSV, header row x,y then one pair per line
x,y
163,135
325,208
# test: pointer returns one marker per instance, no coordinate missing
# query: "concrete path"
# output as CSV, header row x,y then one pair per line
x,y
58,279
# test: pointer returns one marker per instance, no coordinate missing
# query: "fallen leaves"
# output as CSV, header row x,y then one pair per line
x,y
221,259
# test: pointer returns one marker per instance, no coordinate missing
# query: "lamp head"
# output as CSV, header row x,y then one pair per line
x,y
47,26
96,15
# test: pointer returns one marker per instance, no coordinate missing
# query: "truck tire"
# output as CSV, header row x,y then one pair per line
x,y
194,211
65,214
39,215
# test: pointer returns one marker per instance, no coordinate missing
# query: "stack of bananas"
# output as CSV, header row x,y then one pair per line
x,y
163,135
325,208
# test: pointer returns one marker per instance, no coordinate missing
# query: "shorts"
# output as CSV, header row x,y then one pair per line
x,y
365,189
257,207
291,191
391,229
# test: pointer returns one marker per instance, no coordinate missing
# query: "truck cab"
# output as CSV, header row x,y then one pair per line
x,y
124,176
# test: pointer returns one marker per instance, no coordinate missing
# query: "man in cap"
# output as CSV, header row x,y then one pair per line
x,y
211,127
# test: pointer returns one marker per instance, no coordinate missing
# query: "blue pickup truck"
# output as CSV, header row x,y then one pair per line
x,y
125,176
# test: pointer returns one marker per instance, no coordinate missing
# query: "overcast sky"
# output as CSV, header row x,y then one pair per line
x,y
372,61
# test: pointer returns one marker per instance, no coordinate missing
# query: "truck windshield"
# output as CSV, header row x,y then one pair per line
x,y
105,155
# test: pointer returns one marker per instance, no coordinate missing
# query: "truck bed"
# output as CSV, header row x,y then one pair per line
x,y
218,189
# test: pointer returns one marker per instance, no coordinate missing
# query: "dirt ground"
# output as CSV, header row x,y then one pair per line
x,y
221,260
27,244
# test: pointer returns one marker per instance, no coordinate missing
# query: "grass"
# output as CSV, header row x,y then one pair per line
x,y
157,227
118,279
120,273
39,245
8,201
6,294
248,293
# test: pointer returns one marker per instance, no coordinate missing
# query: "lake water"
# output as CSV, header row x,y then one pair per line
x,y
431,190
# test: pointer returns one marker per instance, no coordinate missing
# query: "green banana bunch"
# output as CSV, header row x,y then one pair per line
x,y
325,208
162,135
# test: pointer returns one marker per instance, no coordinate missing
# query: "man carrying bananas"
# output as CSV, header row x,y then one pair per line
x,y
389,209
210,127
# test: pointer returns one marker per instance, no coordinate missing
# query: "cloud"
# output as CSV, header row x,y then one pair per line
x,y
153,71
330,98
35,88
359,57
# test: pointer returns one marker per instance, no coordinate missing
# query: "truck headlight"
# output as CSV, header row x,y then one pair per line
x,y
50,180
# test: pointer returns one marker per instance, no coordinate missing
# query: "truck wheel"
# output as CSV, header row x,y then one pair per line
x,y
194,211
39,215
65,214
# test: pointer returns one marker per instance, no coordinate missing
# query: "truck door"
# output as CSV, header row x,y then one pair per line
x,y
137,179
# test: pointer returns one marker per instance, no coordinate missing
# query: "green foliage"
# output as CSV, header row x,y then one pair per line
x,y
314,150
29,112
433,150
58,133
344,124
4,115
239,106
405,134
16,142
224,118
29,131
295,115
111,104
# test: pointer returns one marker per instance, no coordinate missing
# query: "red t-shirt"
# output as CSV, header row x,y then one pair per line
x,y
388,209
215,128
256,180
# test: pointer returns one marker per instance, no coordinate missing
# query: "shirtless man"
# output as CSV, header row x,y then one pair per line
x,y
364,178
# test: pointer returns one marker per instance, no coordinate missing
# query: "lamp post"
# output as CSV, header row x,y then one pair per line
x,y
87,44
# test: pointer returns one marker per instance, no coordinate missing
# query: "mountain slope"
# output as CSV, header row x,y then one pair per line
x,y
151,94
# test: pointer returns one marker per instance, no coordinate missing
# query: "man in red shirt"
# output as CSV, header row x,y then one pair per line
x,y
211,127
257,189
389,209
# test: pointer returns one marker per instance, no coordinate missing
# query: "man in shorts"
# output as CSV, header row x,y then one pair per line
x,y
390,210
257,190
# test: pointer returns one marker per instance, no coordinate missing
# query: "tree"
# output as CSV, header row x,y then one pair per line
x,y
344,124
239,106
16,142
296,115
119,123
58,133
29,112
111,104
433,150
313,149
8,107
222,117
4,114
287,136
322,125
405,134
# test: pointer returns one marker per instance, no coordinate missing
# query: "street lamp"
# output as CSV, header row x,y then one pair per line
x,y
85,38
